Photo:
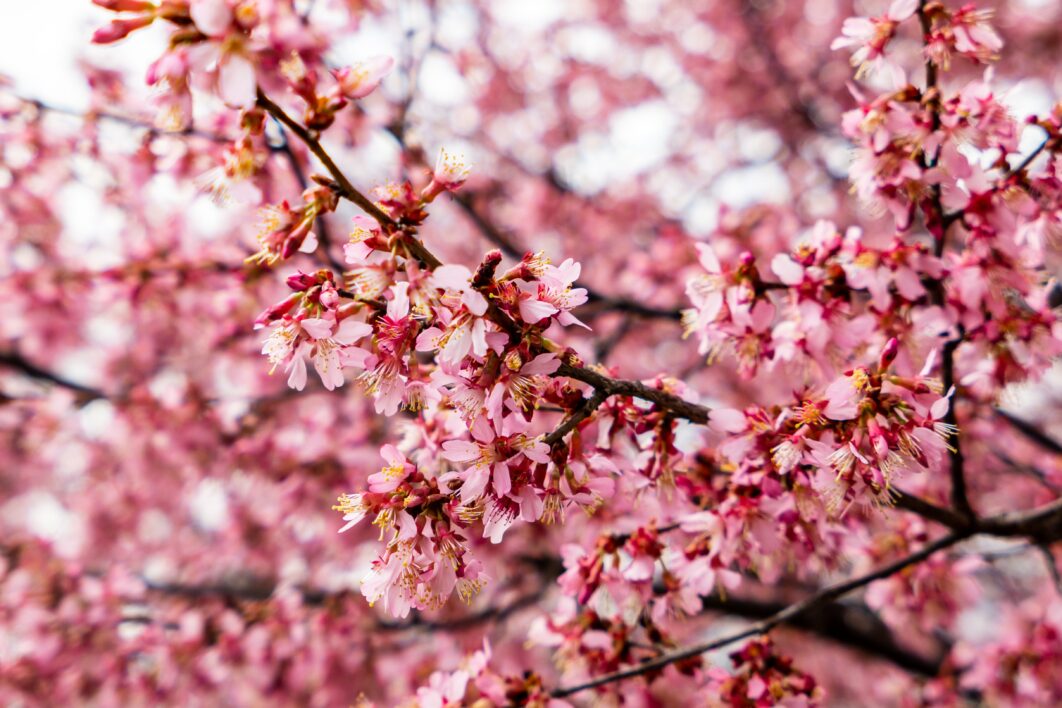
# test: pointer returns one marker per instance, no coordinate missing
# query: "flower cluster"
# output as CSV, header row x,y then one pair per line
x,y
234,47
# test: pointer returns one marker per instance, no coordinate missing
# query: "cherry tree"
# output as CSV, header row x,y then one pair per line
x,y
497,353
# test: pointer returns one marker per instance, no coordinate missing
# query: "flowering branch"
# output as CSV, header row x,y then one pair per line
x,y
681,408
789,613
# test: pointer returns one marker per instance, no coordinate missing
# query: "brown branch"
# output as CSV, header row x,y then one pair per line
x,y
19,363
927,510
612,387
1043,524
323,234
931,96
345,188
1031,432
577,416
854,626
313,597
956,461
680,407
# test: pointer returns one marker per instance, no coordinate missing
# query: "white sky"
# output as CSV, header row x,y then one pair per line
x,y
39,46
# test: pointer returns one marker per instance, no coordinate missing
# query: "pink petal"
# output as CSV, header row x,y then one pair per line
x,y
503,482
788,271
474,484
543,364
297,378
475,302
212,17
727,420
309,244
317,327
708,258
237,84
351,330
532,310
460,450
538,452
452,277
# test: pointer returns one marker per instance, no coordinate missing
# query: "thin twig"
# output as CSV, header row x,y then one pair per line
x,y
948,219
577,416
1031,432
323,234
1052,567
16,361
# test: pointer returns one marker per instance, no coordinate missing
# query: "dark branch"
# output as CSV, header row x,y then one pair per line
x,y
680,407
323,234
14,360
577,416
1031,432
853,626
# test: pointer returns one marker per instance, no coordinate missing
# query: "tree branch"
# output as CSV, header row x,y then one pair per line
x,y
956,461
16,361
323,234
577,416
853,626
789,613
680,407
925,509
1031,432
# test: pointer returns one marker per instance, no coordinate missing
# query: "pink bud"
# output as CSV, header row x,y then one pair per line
x,y
278,310
888,354
125,5
120,29
301,281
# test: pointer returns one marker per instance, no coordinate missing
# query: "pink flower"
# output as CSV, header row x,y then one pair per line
x,y
397,469
225,53
870,36
354,510
974,37
458,279
460,336
552,294
450,173
325,342
361,79
491,457
365,238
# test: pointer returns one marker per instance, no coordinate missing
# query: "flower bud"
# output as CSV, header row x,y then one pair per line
x,y
120,29
888,354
